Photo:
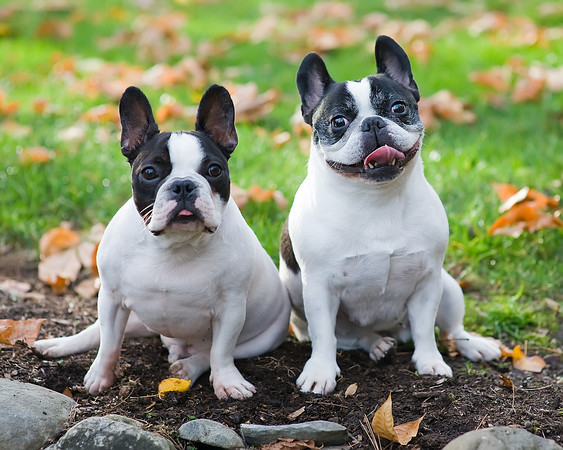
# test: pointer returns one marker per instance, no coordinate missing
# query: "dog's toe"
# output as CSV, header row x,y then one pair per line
x,y
431,364
318,378
381,347
477,348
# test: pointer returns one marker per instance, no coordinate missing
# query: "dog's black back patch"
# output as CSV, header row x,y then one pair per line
x,y
286,250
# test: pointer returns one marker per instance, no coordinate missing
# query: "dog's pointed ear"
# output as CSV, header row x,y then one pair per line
x,y
137,122
216,118
392,60
313,81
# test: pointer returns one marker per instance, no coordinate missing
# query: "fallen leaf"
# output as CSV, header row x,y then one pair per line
x,y
57,239
507,382
67,392
12,332
250,105
15,129
239,195
87,288
60,269
290,444
173,385
295,414
351,390
36,155
383,425
527,363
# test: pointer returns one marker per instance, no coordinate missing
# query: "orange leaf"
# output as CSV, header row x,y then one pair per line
x,y
36,155
528,89
13,331
260,195
57,239
527,363
60,269
406,431
102,114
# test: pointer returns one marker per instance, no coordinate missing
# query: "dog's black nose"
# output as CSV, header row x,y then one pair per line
x,y
373,124
181,187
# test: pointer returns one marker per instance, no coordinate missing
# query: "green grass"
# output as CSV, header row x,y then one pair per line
x,y
87,181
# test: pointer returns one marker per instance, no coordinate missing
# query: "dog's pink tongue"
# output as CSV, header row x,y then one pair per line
x,y
185,212
383,156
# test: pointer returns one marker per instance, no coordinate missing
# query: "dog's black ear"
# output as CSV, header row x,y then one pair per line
x,y
216,118
392,60
137,122
312,82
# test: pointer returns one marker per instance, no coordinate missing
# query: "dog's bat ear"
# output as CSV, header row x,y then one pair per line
x,y
137,122
216,118
392,60
313,80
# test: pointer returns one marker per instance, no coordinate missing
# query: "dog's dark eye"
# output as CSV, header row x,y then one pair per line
x,y
339,122
149,173
214,170
399,108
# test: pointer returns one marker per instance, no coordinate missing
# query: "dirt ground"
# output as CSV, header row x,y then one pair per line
x,y
476,397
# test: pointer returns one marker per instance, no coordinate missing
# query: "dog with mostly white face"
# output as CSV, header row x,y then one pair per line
x,y
179,260
363,247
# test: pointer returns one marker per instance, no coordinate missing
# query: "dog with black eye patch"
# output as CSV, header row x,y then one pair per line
x,y
179,260
363,247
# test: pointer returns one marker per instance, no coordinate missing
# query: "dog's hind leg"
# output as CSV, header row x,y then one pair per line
x,y
87,339
450,320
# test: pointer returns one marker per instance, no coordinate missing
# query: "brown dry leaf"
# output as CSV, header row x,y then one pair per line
x,y
14,331
60,29
15,129
448,341
351,390
382,425
67,392
444,105
87,288
250,105
295,414
60,269
239,195
102,114
497,78
528,89
507,382
527,363
290,444
36,155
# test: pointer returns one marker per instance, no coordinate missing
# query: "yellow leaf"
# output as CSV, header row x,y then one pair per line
x,y
383,425
528,363
173,385
14,331
382,422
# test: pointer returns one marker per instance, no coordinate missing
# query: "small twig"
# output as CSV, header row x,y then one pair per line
x,y
482,421
537,389
427,394
366,426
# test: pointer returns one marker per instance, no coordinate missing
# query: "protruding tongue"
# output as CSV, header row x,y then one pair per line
x,y
383,156
186,213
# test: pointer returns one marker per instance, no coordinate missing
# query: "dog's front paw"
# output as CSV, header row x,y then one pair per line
x,y
318,377
478,348
51,348
381,347
98,379
431,364
228,382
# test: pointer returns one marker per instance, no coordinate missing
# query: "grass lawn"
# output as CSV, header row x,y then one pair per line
x,y
55,56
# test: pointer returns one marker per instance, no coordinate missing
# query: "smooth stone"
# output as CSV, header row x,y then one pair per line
x,y
501,438
209,432
31,415
321,431
111,432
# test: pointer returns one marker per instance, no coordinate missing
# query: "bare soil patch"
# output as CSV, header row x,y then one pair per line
x,y
476,397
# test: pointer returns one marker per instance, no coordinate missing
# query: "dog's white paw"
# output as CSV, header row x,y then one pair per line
x,y
431,364
478,348
318,377
228,382
381,347
52,348
98,379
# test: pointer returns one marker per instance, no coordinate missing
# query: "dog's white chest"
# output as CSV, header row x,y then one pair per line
x,y
375,287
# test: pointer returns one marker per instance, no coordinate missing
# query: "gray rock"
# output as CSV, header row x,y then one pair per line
x,y
209,432
501,438
321,431
31,415
111,432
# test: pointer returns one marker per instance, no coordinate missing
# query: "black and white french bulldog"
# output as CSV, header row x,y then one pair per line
x,y
178,259
363,247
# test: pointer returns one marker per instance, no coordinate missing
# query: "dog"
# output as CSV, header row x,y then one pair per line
x,y
179,260
362,250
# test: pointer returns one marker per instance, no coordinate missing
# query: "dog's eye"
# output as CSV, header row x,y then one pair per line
x,y
149,173
399,108
339,122
214,170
